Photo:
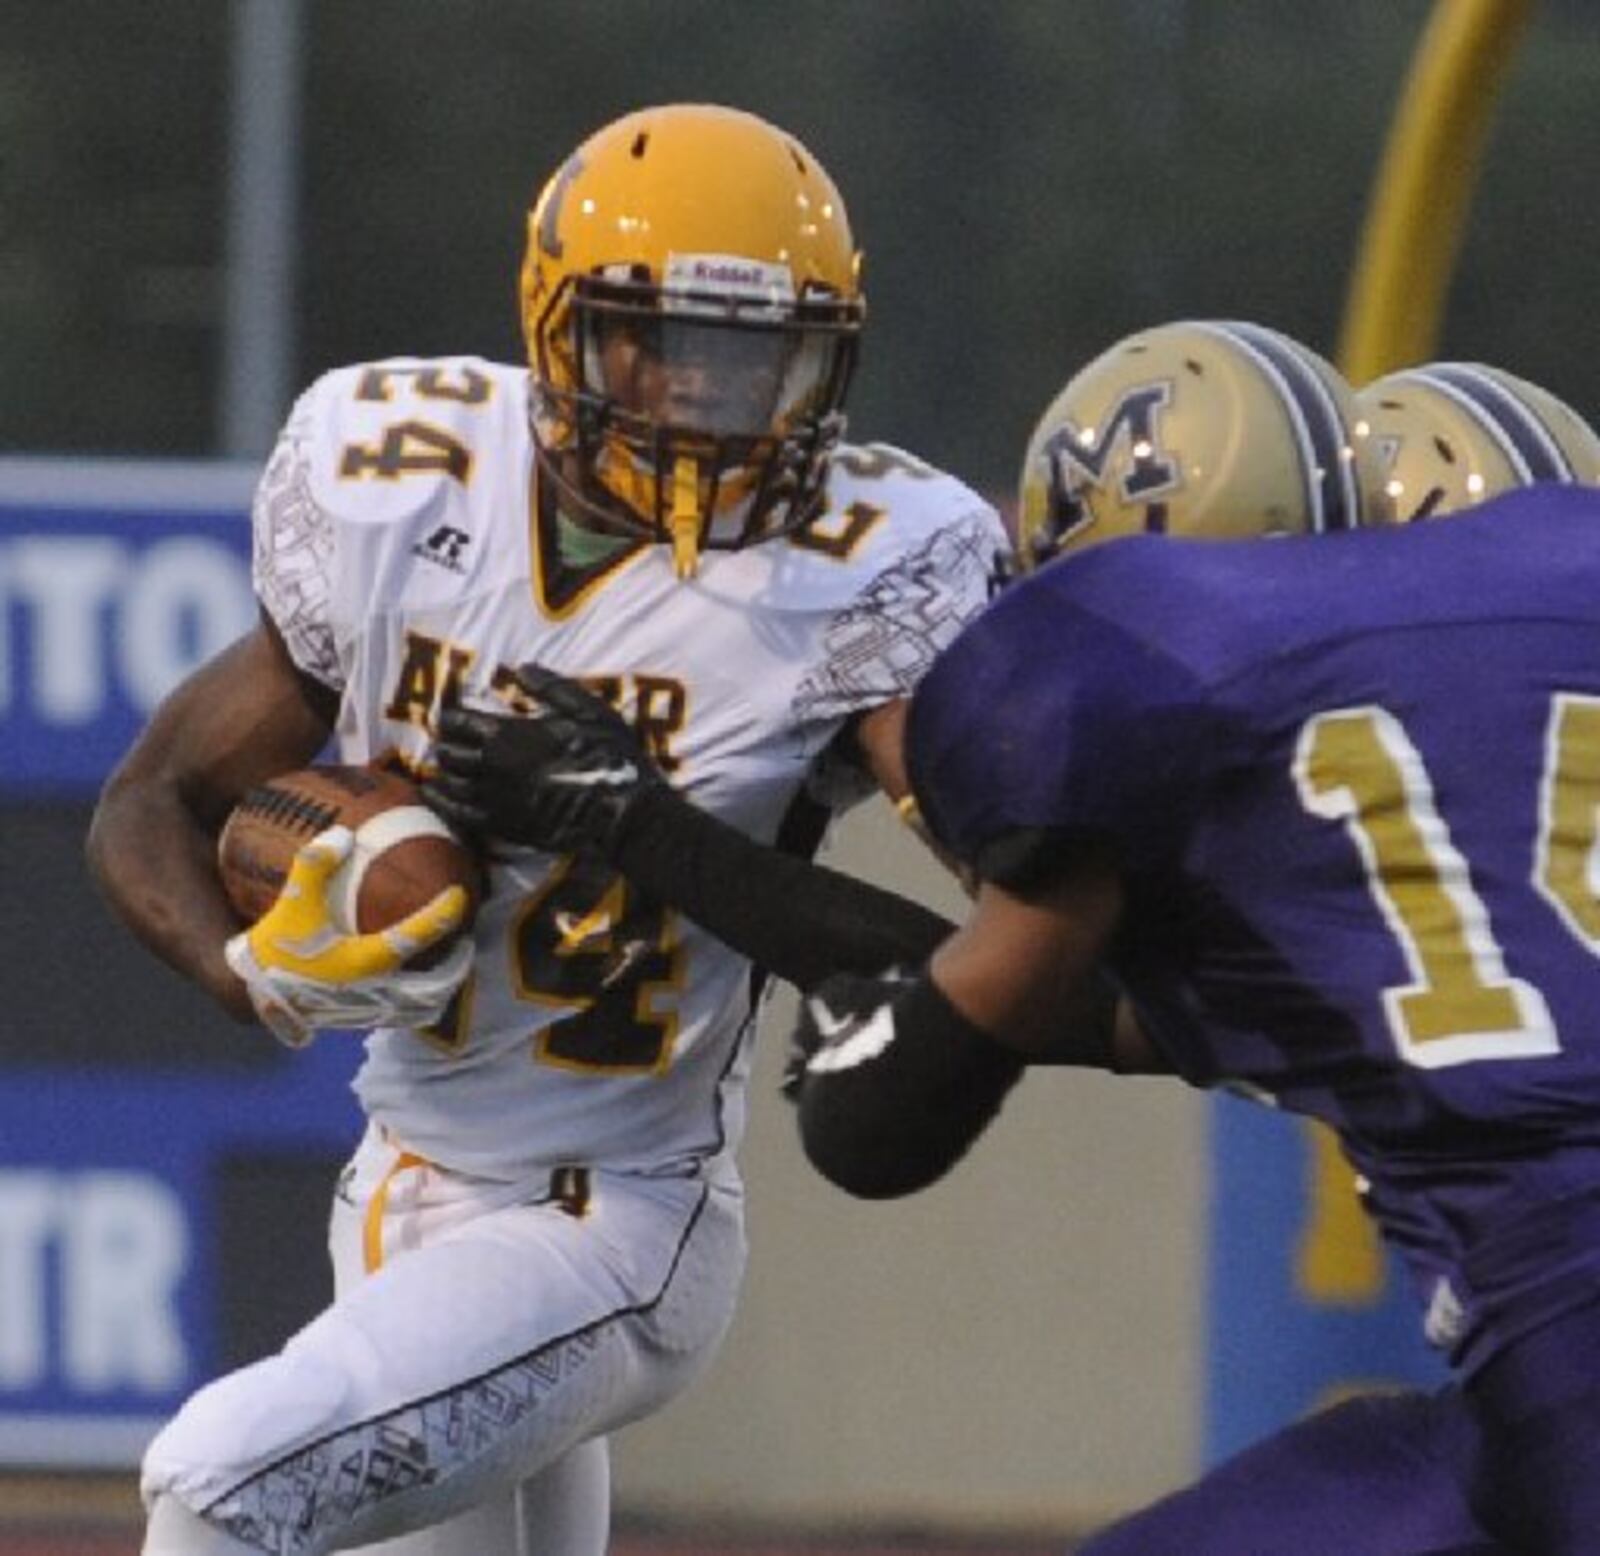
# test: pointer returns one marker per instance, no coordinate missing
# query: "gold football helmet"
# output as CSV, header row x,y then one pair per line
x,y
1203,428
1454,433
691,301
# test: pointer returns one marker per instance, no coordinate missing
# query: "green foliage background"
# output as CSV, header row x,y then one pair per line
x,y
1029,179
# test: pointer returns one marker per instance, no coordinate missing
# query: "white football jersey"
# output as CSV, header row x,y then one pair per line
x,y
400,553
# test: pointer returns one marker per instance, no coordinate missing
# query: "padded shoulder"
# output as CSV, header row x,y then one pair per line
x,y
383,437
889,516
919,498
1059,716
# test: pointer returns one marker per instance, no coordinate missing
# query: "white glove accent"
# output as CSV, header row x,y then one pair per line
x,y
303,972
848,1040
295,1008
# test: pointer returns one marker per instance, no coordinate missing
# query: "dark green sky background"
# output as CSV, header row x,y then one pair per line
x,y
1029,180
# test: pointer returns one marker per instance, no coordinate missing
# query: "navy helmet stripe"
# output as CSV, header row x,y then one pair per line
x,y
1524,439
1324,439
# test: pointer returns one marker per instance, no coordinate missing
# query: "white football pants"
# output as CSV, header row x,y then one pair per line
x,y
482,1340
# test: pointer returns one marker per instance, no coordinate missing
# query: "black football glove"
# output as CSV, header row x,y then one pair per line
x,y
561,777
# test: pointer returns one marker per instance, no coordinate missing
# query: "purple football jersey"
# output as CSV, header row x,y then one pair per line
x,y
1355,785
1381,1475
1509,1463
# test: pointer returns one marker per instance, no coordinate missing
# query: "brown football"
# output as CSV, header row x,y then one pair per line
x,y
404,855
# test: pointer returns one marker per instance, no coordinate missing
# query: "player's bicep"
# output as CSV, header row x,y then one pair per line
x,y
244,716
237,720
1026,969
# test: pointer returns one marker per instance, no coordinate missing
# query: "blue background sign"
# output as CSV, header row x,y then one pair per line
x,y
110,1221
132,1114
1305,1303
115,581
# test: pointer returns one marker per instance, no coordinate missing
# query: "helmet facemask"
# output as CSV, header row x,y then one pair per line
x,y
699,410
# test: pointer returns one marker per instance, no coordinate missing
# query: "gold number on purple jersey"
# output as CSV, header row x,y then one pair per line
x,y
590,946
1358,766
1567,871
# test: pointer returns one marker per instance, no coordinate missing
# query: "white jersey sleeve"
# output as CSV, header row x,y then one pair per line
x,y
938,551
292,550
877,647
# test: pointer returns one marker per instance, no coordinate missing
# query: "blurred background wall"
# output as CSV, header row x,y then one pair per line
x,y
1029,181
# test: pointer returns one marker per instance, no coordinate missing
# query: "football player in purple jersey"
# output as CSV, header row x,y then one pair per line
x,y
1326,812
1388,1474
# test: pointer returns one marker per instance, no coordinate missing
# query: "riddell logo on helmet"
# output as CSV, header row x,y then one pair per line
x,y
732,275
729,275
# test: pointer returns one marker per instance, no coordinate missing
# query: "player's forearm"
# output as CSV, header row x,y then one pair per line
x,y
155,864
800,921
896,1086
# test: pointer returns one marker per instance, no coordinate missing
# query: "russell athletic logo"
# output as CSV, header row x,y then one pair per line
x,y
445,547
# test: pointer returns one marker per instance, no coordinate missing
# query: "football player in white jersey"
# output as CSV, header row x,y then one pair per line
x,y
540,1237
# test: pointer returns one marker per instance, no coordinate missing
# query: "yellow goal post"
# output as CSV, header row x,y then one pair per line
x,y
1419,201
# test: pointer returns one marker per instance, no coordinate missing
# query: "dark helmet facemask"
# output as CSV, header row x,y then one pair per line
x,y
698,418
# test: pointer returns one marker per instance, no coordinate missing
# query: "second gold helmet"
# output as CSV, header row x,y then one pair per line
x,y
1454,433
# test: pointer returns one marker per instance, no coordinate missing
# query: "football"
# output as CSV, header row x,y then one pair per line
x,y
404,854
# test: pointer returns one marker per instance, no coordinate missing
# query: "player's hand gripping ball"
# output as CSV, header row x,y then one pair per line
x,y
358,896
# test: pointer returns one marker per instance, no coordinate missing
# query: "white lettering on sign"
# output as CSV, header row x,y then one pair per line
x,y
187,600
98,619
119,1244
61,587
27,1218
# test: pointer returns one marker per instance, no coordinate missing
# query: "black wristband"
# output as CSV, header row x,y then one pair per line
x,y
897,1121
798,920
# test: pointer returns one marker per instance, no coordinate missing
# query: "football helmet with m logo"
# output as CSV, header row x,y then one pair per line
x,y
1202,428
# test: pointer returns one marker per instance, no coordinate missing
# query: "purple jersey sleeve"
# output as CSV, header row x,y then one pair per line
x,y
1050,722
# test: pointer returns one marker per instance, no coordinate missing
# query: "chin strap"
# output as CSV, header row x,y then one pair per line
x,y
685,517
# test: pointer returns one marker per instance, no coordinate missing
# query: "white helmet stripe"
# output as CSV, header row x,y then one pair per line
x,y
1507,418
1324,440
